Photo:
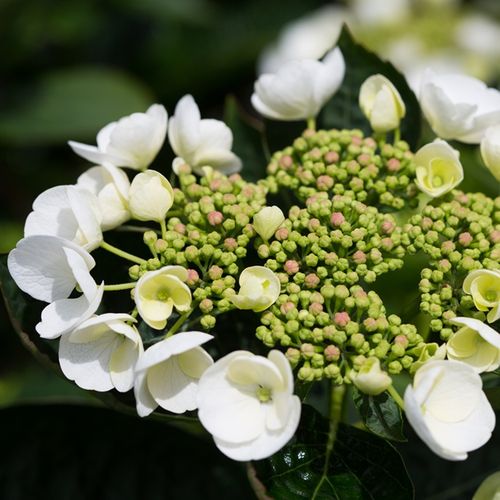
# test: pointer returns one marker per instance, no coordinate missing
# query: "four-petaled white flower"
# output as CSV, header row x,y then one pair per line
x,y
300,88
132,141
476,344
158,292
267,220
484,286
381,103
438,168
490,150
63,315
110,185
259,289
448,410
200,142
458,107
246,402
151,196
101,353
168,373
70,212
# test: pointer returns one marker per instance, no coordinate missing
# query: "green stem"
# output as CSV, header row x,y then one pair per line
x,y
395,395
121,253
337,394
178,323
311,123
134,229
119,286
397,135
163,229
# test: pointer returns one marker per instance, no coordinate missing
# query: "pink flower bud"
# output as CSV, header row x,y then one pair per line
x,y
387,226
332,353
465,239
215,272
341,319
287,307
359,257
315,308
393,165
337,218
281,234
193,277
230,244
401,340
331,157
291,266
495,236
364,159
357,141
180,228
311,280
215,218
314,224
286,161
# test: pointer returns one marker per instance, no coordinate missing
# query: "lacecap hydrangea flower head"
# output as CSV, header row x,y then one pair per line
x,y
287,266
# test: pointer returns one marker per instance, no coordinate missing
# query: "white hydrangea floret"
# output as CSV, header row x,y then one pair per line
x,y
300,88
484,286
475,344
267,220
101,353
168,373
259,289
438,168
200,142
246,402
458,107
111,186
151,196
158,292
448,409
133,141
70,212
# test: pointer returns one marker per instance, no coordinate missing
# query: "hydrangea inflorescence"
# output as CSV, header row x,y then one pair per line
x,y
215,243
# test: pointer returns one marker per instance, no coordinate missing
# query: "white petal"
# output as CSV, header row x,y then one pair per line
x,y
163,350
92,154
88,364
229,411
145,404
122,364
171,388
268,443
487,333
256,370
184,128
194,362
64,315
39,267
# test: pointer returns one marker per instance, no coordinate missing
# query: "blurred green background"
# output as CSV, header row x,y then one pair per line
x,y
67,68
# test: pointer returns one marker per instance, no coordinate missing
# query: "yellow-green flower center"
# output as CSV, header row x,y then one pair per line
x,y
264,394
437,181
491,295
163,294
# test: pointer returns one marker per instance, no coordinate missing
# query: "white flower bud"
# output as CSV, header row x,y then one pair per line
x,y
259,289
267,221
381,103
150,196
371,379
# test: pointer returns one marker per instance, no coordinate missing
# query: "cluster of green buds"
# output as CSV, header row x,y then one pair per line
x,y
339,238
207,231
459,235
331,332
344,162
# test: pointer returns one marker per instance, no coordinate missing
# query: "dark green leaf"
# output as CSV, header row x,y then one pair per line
x,y
380,414
247,142
343,111
362,466
73,104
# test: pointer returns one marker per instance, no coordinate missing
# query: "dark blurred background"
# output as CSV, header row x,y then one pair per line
x,y
68,67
